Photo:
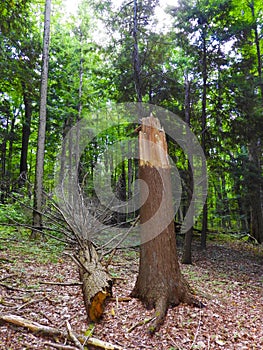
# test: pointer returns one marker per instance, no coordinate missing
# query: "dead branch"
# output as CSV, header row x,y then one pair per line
x,y
15,288
7,276
60,346
50,331
29,303
66,284
141,323
120,299
5,260
73,337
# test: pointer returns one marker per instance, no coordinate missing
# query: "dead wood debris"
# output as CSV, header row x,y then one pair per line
x,y
63,284
60,346
50,331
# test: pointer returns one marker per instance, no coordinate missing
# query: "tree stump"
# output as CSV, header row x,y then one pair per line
x,y
160,283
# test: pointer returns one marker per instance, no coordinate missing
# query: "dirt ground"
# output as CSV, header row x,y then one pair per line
x,y
227,278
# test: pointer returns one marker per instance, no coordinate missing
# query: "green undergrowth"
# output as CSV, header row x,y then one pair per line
x,y
17,241
221,237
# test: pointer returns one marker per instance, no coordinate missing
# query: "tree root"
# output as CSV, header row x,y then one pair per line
x,y
160,313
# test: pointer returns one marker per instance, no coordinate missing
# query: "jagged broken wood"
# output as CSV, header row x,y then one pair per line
x,y
54,332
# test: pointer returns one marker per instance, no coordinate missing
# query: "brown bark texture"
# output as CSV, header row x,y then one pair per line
x,y
160,283
97,283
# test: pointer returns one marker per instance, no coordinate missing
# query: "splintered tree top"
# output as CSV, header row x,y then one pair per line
x,y
152,144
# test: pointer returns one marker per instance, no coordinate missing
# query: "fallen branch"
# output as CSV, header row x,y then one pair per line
x,y
7,276
60,346
46,330
141,323
29,303
120,299
23,290
66,284
15,288
6,260
73,337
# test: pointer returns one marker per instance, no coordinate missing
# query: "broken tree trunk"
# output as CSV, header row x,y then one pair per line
x,y
97,283
160,283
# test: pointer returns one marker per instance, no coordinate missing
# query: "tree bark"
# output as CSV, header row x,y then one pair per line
x,y
136,57
256,228
97,283
25,135
159,283
187,248
204,97
38,190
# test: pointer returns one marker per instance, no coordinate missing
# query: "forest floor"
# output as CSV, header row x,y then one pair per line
x,y
228,279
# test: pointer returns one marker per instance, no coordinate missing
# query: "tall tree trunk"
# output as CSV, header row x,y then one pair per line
x,y
203,142
257,43
254,195
187,248
136,57
38,190
159,283
25,135
259,68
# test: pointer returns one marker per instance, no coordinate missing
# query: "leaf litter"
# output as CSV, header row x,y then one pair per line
x,y
227,278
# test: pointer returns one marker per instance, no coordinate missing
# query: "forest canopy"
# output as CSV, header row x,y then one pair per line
x,y
205,65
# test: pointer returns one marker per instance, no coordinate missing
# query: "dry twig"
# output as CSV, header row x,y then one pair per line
x,y
73,337
60,346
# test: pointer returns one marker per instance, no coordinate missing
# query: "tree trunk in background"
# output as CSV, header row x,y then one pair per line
x,y
187,248
25,135
259,210
136,58
203,142
256,228
121,194
159,282
38,190
257,43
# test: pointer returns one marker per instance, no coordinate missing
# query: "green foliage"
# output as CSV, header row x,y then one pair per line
x,y
17,240
15,211
86,74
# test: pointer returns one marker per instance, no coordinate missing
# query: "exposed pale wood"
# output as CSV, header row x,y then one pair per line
x,y
38,328
152,144
121,299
